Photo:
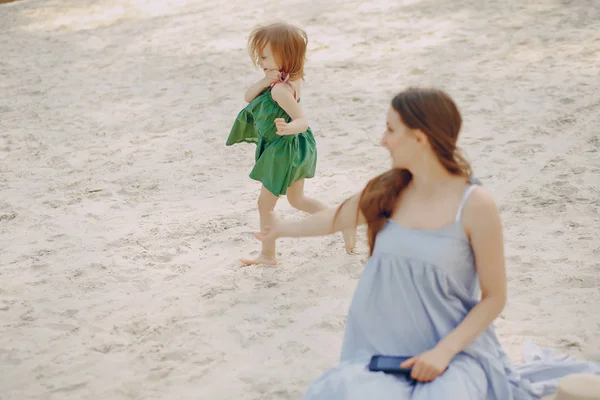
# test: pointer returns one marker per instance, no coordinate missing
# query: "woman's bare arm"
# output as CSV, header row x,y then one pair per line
x,y
322,223
484,227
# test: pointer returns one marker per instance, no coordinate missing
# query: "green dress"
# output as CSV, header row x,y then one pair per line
x,y
279,160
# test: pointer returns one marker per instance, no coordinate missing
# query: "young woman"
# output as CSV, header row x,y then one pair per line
x,y
435,280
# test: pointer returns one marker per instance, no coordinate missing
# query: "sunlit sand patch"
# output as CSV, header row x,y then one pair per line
x,y
98,15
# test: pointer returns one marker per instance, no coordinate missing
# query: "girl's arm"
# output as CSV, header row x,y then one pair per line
x,y
484,227
319,224
284,96
271,76
256,89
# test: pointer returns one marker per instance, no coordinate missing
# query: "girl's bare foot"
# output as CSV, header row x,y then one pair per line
x,y
261,259
349,240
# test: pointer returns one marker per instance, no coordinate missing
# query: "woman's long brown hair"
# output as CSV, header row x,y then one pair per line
x,y
435,114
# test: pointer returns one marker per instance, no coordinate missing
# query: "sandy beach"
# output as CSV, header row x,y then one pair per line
x,y
123,213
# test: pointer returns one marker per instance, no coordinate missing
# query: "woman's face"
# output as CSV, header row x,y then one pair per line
x,y
402,142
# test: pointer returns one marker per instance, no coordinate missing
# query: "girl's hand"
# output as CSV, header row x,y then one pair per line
x,y
282,127
429,365
269,233
271,76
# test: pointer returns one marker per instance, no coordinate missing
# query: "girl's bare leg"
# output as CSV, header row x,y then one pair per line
x,y
297,199
266,210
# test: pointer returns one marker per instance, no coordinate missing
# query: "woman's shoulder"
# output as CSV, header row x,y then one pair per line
x,y
479,200
480,209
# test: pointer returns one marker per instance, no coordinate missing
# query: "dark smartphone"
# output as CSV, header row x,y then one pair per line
x,y
389,364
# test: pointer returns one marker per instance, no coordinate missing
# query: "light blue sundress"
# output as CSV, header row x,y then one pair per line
x,y
415,289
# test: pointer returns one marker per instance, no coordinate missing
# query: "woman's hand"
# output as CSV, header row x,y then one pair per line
x,y
269,233
321,223
429,365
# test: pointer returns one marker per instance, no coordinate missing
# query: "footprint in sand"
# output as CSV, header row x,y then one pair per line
x,y
265,285
216,290
28,316
69,388
332,324
218,225
63,327
8,216
293,349
587,281
180,268
159,373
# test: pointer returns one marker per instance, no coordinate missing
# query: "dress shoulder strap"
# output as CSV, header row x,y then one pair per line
x,y
463,201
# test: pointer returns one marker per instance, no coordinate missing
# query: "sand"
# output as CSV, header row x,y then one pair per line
x,y
122,213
